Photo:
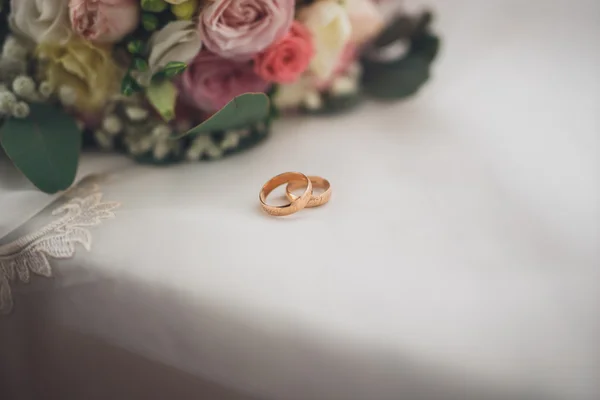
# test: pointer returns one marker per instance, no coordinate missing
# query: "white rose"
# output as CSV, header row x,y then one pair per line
x,y
331,29
41,20
178,41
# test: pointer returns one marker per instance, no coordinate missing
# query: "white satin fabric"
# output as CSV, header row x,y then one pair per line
x,y
458,257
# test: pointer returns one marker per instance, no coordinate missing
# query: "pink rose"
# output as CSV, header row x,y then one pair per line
x,y
210,81
241,28
286,60
104,20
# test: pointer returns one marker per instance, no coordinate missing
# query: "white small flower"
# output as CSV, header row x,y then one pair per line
x,y
231,140
103,139
10,68
161,150
313,100
161,131
136,113
344,85
14,49
112,125
24,87
203,145
145,144
20,110
193,154
45,89
67,95
7,101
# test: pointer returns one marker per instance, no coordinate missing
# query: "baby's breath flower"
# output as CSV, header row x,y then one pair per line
x,y
112,125
24,87
344,85
11,68
161,150
67,95
313,101
103,139
7,101
20,110
14,49
161,131
136,113
45,89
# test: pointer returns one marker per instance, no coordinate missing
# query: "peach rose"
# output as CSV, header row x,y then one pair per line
x,y
287,59
104,20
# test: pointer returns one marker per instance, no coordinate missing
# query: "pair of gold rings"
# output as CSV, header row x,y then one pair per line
x,y
295,181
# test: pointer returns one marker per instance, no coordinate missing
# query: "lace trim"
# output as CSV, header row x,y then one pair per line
x,y
30,254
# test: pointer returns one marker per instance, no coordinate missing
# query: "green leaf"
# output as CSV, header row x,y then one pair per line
x,y
242,111
129,85
140,64
45,146
162,96
174,68
395,80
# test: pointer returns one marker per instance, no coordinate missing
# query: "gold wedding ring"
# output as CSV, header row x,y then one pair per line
x,y
317,182
297,204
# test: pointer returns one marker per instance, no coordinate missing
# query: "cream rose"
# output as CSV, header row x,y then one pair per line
x,y
365,18
177,41
331,29
41,21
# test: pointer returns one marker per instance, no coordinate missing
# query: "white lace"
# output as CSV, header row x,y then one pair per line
x,y
30,253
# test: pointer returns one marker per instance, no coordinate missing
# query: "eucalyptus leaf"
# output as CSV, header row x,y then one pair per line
x,y
403,77
395,80
244,110
162,96
44,146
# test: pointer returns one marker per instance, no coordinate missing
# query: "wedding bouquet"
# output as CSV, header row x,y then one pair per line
x,y
171,80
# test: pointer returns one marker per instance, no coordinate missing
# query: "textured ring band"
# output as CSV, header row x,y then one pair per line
x,y
295,205
317,182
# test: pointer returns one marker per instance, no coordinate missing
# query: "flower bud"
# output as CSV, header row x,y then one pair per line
x,y
149,22
154,6
185,10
